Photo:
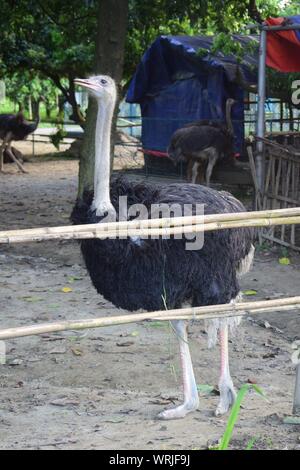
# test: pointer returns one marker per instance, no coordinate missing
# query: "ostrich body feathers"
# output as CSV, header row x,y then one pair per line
x,y
16,125
157,273
190,141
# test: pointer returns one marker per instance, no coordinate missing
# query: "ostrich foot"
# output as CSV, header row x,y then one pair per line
x,y
227,397
180,411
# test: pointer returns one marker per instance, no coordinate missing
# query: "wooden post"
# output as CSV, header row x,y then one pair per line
x,y
296,362
296,406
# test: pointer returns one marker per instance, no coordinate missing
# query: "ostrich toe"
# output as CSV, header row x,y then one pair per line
x,y
180,411
227,397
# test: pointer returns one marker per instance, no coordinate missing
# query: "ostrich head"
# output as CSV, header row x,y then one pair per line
x,y
101,87
230,102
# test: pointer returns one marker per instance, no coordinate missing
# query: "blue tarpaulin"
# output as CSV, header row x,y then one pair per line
x,y
178,81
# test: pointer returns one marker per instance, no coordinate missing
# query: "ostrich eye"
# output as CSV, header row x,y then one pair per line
x,y
104,82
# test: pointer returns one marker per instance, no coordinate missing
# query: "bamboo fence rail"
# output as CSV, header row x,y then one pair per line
x,y
189,313
156,227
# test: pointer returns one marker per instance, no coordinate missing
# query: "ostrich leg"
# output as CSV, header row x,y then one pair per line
x,y
227,392
1,158
2,148
14,159
195,172
190,392
212,160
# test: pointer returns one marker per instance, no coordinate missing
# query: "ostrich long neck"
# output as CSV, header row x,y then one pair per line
x,y
102,156
228,117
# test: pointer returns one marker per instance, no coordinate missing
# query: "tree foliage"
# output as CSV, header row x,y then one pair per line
x,y
56,40
27,89
50,38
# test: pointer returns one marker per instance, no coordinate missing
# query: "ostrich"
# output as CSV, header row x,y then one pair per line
x,y
151,274
203,142
14,127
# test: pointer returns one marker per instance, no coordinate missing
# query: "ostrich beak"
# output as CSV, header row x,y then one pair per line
x,y
85,83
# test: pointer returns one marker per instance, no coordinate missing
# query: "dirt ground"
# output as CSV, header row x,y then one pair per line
x,y
102,389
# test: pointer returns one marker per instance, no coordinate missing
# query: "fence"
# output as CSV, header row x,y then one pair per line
x,y
281,188
162,227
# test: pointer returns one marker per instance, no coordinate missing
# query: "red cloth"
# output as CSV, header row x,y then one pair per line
x,y
283,48
155,153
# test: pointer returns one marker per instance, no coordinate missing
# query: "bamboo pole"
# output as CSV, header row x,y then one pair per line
x,y
196,313
96,230
154,223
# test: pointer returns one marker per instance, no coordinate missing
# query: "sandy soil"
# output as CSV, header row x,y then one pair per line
x,y
103,388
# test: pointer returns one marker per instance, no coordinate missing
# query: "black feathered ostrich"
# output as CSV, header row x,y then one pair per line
x,y
202,143
14,127
151,274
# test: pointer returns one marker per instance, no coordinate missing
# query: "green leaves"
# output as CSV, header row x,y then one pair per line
x,y
58,137
51,39
45,36
250,292
284,261
235,412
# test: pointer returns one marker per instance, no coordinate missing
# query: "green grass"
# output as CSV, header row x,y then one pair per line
x,y
225,441
264,246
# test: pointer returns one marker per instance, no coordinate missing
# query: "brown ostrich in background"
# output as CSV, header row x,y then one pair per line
x,y
14,127
201,144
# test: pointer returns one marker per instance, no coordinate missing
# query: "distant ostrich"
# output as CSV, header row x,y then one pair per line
x,y
150,274
14,127
202,143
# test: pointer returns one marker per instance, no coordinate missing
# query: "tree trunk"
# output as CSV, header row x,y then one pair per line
x,y
61,100
35,104
253,11
109,59
48,110
76,113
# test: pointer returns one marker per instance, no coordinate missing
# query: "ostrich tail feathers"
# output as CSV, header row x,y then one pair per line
x,y
213,326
